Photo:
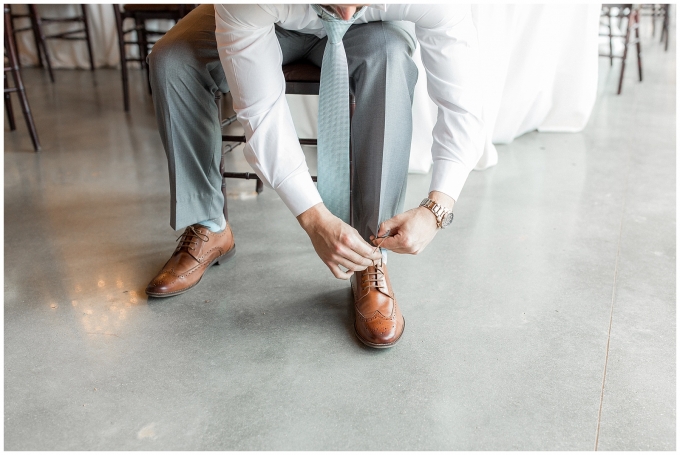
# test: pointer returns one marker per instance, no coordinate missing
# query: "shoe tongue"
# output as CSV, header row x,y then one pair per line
x,y
203,230
190,236
376,274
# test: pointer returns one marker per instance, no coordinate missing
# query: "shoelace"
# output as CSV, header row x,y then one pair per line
x,y
377,278
188,238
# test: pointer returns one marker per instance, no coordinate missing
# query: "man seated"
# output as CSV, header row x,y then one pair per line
x,y
241,48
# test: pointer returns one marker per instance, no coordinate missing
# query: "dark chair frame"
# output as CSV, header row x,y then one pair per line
x,y
632,17
145,37
302,78
40,38
666,11
654,11
14,70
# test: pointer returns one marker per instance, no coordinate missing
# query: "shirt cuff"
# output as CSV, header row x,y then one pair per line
x,y
299,193
449,177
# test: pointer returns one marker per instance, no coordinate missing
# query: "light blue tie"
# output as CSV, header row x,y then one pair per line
x,y
333,137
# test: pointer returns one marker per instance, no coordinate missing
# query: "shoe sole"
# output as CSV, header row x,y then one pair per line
x,y
379,346
218,260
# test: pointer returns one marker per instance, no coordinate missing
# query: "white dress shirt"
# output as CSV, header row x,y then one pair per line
x,y
251,58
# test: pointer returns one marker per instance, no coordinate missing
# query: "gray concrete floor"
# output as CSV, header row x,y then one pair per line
x,y
543,319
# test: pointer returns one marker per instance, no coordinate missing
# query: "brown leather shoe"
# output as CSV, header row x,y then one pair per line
x,y
198,249
378,322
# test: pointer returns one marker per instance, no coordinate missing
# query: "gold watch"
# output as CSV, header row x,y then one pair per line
x,y
444,217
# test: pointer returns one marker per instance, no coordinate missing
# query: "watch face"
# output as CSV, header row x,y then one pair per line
x,y
447,219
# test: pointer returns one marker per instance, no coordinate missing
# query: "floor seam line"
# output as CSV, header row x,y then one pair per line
x,y
613,300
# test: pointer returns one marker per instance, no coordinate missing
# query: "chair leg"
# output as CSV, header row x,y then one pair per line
x,y
123,59
668,7
18,82
42,47
625,54
664,32
86,26
637,43
8,108
36,37
611,47
144,44
663,22
140,25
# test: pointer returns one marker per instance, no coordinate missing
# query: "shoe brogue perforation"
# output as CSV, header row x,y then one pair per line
x,y
378,321
198,248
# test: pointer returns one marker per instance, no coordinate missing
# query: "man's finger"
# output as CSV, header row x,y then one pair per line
x,y
339,273
350,265
386,226
364,249
353,260
389,243
395,244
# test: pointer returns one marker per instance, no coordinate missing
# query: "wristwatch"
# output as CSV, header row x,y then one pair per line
x,y
443,216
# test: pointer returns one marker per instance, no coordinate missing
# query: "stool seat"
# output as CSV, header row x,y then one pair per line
x,y
154,7
301,72
302,78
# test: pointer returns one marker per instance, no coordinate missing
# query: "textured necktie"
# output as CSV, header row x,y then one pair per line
x,y
333,136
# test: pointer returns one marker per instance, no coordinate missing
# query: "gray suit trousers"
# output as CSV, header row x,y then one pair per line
x,y
186,72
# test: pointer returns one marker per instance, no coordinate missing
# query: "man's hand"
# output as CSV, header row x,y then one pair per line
x,y
412,231
336,242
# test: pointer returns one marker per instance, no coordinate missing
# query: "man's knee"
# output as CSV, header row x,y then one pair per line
x,y
168,56
386,45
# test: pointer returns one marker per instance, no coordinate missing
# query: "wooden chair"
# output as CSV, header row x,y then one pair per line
x,y
144,38
18,87
632,19
38,23
302,78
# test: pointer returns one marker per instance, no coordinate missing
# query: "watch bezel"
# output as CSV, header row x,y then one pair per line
x,y
447,220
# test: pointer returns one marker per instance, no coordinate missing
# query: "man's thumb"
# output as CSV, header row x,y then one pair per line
x,y
385,228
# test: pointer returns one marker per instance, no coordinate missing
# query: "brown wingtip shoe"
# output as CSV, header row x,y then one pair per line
x,y
198,248
378,322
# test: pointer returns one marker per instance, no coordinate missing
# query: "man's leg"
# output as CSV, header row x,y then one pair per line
x,y
186,72
383,77
384,82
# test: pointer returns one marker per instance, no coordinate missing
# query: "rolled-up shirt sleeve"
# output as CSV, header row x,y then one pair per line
x,y
251,58
450,56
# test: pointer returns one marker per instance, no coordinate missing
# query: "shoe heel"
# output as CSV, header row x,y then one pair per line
x,y
225,257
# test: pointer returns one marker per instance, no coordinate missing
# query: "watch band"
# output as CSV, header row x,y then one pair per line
x,y
443,216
